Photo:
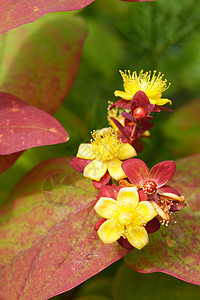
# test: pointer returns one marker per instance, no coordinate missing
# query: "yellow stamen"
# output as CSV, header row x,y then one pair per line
x,y
106,144
164,215
151,84
174,197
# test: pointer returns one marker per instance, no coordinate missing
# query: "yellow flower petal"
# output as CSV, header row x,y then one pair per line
x,y
123,95
115,169
145,213
105,207
95,169
137,236
128,195
160,101
85,151
151,84
110,231
105,144
126,152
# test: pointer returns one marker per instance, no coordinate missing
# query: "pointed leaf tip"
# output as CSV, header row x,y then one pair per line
x,y
23,126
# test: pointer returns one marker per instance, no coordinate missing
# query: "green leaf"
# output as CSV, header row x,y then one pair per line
x,y
92,297
175,249
182,129
99,285
129,285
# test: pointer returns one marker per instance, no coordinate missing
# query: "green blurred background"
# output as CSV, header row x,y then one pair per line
x,y
162,35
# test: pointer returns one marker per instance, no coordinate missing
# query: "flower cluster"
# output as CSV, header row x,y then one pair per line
x,y
132,201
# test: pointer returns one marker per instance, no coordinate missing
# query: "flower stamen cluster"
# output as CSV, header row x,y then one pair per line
x,y
105,144
150,187
104,156
153,86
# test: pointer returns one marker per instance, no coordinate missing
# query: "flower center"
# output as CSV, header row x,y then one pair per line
x,y
150,187
139,113
125,218
152,85
106,144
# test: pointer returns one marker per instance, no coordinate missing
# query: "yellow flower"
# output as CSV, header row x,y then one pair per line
x,y
106,152
115,113
150,84
126,217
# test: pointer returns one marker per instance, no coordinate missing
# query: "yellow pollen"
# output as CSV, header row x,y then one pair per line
x,y
106,144
125,218
153,85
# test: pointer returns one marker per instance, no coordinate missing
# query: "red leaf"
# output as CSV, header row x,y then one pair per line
x,y
56,67
47,241
7,160
40,60
23,126
17,12
175,249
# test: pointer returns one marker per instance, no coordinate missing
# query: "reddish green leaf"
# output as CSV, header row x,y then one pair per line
x,y
47,241
7,160
17,12
175,249
39,61
23,126
22,57
129,285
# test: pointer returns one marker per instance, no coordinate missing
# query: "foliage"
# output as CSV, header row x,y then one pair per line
x,y
16,13
47,241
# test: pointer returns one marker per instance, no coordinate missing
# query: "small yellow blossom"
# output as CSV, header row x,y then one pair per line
x,y
146,134
115,113
126,217
151,84
106,152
